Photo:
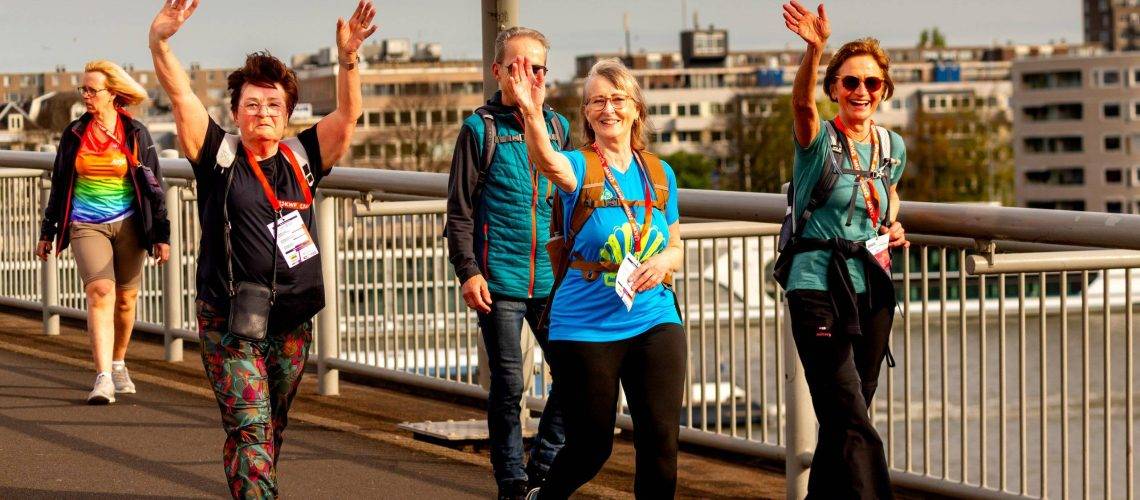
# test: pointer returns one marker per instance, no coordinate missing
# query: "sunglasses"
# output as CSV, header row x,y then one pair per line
x,y
851,83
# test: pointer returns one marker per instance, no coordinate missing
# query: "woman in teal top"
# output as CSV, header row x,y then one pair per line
x,y
836,266
598,337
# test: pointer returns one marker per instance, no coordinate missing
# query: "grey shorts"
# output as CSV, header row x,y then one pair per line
x,y
108,251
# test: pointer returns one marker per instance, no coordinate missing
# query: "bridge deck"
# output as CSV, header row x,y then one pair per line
x,y
166,441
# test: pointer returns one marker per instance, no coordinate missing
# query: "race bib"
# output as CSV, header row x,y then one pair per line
x,y
879,247
622,285
295,244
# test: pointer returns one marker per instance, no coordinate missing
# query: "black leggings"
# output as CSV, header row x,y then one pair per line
x,y
651,368
842,372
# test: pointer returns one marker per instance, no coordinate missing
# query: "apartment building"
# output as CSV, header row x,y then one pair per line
x,y
1115,24
413,103
693,101
1077,132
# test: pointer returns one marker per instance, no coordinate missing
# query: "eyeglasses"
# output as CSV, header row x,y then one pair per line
x,y
86,91
539,69
851,83
599,103
271,109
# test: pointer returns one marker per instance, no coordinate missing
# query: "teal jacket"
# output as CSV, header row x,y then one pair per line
x,y
498,213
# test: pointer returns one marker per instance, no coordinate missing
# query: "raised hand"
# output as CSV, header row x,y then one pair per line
x,y
170,18
350,35
814,29
528,89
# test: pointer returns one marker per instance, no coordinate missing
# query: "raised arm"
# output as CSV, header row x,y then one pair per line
x,y
190,116
814,30
334,131
528,89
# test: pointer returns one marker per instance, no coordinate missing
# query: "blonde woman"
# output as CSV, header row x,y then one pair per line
x,y
630,241
106,203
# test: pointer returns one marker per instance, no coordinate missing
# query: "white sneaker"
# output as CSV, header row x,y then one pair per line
x,y
103,392
122,379
532,494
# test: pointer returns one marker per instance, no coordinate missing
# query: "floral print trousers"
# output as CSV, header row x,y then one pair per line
x,y
254,383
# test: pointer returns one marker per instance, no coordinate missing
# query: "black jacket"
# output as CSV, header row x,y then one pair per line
x,y
154,227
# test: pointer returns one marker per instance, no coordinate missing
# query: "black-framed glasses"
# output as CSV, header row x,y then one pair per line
x,y
86,91
539,69
851,83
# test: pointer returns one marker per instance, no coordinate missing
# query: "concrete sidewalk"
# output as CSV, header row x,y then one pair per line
x,y
166,440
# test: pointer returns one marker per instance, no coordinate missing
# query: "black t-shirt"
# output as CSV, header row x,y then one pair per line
x,y
300,292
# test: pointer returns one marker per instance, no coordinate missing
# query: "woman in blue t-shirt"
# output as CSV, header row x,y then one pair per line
x,y
836,266
598,337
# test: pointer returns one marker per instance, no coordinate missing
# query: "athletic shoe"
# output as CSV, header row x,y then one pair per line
x,y
532,494
122,379
103,392
513,489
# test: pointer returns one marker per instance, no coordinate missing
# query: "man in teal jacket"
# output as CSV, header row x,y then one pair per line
x,y
498,221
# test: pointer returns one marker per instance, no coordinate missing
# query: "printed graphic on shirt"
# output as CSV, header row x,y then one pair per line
x,y
103,192
620,242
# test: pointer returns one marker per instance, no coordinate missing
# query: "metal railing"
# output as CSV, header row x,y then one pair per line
x,y
1015,362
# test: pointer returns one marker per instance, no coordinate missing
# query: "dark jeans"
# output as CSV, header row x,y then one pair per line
x,y
842,374
651,368
502,329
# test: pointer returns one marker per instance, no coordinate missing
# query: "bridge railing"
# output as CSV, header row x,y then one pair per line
x,y
1013,340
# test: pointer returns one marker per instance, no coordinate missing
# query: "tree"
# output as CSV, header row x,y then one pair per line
x,y
693,170
760,139
960,156
932,38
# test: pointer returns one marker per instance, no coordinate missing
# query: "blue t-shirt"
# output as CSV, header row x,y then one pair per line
x,y
591,311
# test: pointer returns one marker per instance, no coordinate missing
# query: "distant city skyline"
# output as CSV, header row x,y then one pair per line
x,y
38,36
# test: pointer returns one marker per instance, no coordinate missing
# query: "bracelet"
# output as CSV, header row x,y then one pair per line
x,y
351,64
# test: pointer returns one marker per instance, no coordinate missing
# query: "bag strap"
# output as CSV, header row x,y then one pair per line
x,y
828,176
229,245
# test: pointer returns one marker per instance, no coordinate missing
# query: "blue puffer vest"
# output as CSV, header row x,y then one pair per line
x,y
512,217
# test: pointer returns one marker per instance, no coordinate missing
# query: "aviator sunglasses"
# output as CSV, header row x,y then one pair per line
x,y
851,83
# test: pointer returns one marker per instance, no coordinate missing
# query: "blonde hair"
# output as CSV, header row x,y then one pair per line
x,y
619,76
127,91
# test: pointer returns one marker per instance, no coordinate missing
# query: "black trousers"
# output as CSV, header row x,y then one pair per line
x,y
842,372
651,369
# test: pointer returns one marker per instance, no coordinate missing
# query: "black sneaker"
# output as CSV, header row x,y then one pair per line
x,y
514,489
535,477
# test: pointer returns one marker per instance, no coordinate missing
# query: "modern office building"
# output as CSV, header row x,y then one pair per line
x,y
1077,132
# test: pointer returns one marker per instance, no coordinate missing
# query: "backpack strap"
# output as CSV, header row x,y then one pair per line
x,y
593,185
559,134
657,178
827,178
302,158
228,151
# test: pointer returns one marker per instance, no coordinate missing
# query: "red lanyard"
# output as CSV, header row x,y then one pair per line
x,y
867,187
269,194
122,147
621,197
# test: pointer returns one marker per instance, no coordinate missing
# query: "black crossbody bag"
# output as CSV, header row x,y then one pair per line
x,y
250,302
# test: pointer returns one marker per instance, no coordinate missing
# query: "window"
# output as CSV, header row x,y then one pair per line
x,y
1110,110
694,110
452,116
1114,207
1108,78
682,110
665,109
421,117
437,117
1136,77
666,137
1062,144
374,118
1136,110
1112,143
406,117
1058,204
1065,176
15,122
389,118
1113,176
717,136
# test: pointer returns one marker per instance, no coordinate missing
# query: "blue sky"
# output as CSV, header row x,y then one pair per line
x,y
38,35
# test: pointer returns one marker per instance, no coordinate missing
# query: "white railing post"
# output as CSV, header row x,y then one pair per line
x,y
328,379
49,273
799,432
172,292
